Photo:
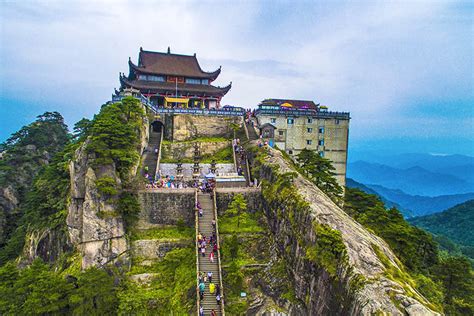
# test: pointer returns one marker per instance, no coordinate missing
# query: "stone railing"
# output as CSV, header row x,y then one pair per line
x,y
313,113
157,109
218,251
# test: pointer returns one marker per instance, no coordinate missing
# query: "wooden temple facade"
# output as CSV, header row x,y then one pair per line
x,y
173,81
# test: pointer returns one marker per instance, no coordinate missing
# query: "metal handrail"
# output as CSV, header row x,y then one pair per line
x,y
196,219
218,251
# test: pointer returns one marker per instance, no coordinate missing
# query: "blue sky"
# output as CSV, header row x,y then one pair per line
x,y
404,69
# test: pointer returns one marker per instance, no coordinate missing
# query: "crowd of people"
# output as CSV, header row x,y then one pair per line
x,y
207,242
163,182
240,156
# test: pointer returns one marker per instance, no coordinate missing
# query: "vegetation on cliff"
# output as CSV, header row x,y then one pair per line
x,y
447,281
24,155
38,290
112,138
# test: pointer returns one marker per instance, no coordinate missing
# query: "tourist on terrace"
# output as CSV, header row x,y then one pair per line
x,y
209,276
214,224
218,299
211,257
201,311
203,251
218,290
213,313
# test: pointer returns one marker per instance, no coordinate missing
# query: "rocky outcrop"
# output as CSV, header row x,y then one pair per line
x,y
319,291
92,222
94,225
25,165
46,243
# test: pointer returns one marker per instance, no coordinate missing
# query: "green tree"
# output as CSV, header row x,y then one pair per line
x,y
95,294
415,248
82,128
455,273
320,171
40,291
233,245
237,208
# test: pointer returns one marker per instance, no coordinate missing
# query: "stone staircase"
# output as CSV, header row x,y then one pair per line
x,y
252,133
205,265
150,158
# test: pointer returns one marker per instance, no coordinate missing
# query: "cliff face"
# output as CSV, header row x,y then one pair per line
x,y
363,287
93,226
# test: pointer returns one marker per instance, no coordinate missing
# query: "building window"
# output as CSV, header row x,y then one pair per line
x,y
310,120
290,120
273,120
280,133
193,81
321,153
205,81
337,122
321,130
290,152
156,78
321,142
310,130
309,142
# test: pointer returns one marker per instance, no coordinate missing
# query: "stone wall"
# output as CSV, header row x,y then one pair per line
x,y
186,127
224,196
185,150
167,206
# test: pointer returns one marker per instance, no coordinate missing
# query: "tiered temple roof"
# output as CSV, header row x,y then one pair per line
x,y
168,74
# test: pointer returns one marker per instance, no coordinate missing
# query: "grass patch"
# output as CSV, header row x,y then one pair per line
x,y
171,293
168,232
248,224
224,155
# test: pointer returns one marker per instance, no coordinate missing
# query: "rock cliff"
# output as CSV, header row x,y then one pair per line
x,y
364,285
95,227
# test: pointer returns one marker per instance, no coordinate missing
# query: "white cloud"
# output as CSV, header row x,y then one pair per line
x,y
371,58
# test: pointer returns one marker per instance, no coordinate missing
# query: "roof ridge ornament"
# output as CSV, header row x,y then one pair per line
x,y
169,50
141,49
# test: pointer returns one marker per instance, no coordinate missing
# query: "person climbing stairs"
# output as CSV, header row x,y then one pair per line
x,y
206,266
150,155
252,132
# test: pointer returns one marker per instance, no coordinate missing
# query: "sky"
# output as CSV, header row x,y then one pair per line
x,y
404,69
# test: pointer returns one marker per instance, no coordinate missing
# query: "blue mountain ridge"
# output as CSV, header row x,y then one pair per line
x,y
414,180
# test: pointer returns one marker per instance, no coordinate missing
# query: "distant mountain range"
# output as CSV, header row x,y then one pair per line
x,y
455,223
417,174
351,183
417,184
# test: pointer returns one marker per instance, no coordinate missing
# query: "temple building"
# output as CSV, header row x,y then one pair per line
x,y
173,80
293,125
